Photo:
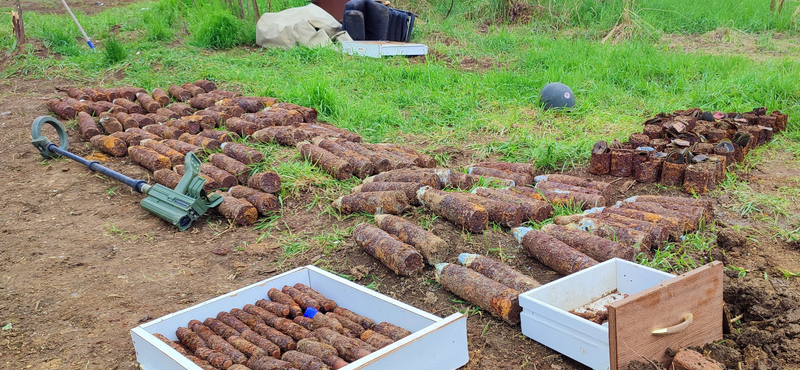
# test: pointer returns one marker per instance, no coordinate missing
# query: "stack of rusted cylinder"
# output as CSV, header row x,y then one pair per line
x,y
690,149
632,226
297,328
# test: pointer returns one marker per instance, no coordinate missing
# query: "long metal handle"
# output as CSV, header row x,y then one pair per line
x,y
138,185
88,41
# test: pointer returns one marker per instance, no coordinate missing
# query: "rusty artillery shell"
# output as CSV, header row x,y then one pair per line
x,y
126,120
79,105
178,93
647,169
156,118
280,297
500,212
615,231
77,94
301,298
392,331
216,359
423,177
522,168
428,244
518,178
86,126
284,342
364,321
238,210
304,322
160,96
242,153
362,166
380,162
309,114
142,134
348,324
223,178
249,319
110,145
604,187
206,85
249,349
457,210
698,177
283,325
321,321
232,321
166,177
705,204
129,138
203,142
672,173
164,131
267,181
694,214
219,135
465,181
498,271
175,157
638,140
375,339
621,162
348,348
103,106
658,235
109,123
399,257
392,202
303,361
600,160
339,168
149,158
478,289
222,329
130,106
202,330
276,308
419,159
688,222
532,209
230,110
62,109
283,135
193,89
409,188
265,344
232,166
169,113
248,104
241,127
129,92
216,117
148,103
189,126
219,344
327,304
142,120
598,248
111,93
97,95
338,131
267,363
190,339
562,197
203,364
552,252
170,343
672,225
327,353
238,367
557,186
181,109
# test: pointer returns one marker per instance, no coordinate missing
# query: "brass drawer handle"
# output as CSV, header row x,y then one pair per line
x,y
687,320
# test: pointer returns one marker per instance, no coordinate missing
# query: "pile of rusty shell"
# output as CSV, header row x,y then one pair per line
x,y
598,248
232,166
600,160
409,188
420,176
552,252
399,257
97,95
109,123
237,210
86,126
393,202
142,119
467,215
380,162
532,209
500,212
241,127
129,138
647,169
562,197
265,203
672,173
432,247
229,110
266,181
109,145
267,363
142,134
79,105
615,231
77,94
182,146
339,168
130,106
498,271
283,135
222,177
522,168
605,188
390,330
706,204
362,166
182,109
374,339
242,153
323,351
408,154
657,234
149,158
518,178
203,142
319,320
174,156
164,131
210,183
192,88
621,162
103,106
673,225
222,136
478,289
349,348
689,223
188,126
147,102
126,120
638,140
207,85
309,114
62,109
178,93
160,96
166,177
699,177
303,361
327,304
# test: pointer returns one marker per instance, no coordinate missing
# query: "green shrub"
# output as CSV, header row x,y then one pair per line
x,y
221,30
113,52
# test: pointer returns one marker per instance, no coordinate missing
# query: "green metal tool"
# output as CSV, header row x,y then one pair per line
x,y
179,206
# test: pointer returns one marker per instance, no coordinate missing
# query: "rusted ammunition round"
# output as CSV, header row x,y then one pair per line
x,y
219,344
673,225
97,95
617,232
340,132
522,168
249,319
348,324
267,181
203,142
304,322
290,328
111,93
165,132
494,297
230,111
126,120
423,177
181,109
704,204
223,178
232,321
166,177
222,329
267,363
428,244
237,210
392,202
142,134
129,138
266,345
102,106
190,339
647,169
498,271
62,109
339,168
600,160
128,92
170,343
77,94
409,188
202,330
697,178
321,321
238,367
350,349
653,131
147,102
570,219
364,321
242,153
283,135
206,85
200,362
518,178
392,331
657,234
142,120
276,308
465,181
110,145
553,185
193,89
188,126
303,361
500,212
457,210
309,114
598,248
375,339
327,304
79,105
689,222
672,173
399,257
157,118
178,93
175,157
380,163
562,197
160,96
241,127
86,126
249,349
109,123
130,106
210,183
149,158
362,166
327,353
532,209
217,117
621,162
169,113
284,342
280,297
552,252
216,359
419,159
219,135
248,104
301,298
604,187
232,166
695,214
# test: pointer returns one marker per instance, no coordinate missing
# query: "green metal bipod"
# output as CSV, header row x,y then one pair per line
x,y
179,206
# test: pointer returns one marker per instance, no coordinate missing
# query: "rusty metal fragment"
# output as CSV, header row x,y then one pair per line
x,y
672,173
428,244
392,202
237,210
337,167
110,145
494,297
498,271
639,140
699,177
266,181
232,166
87,127
467,215
399,257
647,169
551,252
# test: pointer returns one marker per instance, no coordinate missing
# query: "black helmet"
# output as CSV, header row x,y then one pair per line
x,y
557,95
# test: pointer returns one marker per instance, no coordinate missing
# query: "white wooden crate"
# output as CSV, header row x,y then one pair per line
x,y
435,343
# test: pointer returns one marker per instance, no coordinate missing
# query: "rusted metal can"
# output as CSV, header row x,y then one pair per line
x,y
232,166
469,216
598,248
110,145
224,178
600,160
500,212
698,177
551,252
337,167
653,131
659,145
621,162
266,181
149,158
532,209
638,140
242,153
165,132
617,232
265,203
522,168
562,197
720,164
179,93
109,123
409,188
377,202
203,142
237,210
494,297
87,127
498,271
647,169
62,109
422,177
182,147
220,135
519,179
432,247
362,166
399,257
325,352
672,173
